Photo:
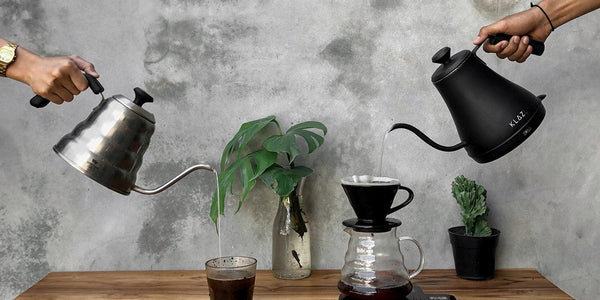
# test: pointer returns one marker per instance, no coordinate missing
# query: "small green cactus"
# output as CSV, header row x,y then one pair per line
x,y
471,200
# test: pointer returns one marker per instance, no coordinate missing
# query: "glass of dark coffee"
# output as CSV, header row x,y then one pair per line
x,y
231,277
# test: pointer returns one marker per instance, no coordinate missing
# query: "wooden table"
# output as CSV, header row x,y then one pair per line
x,y
322,284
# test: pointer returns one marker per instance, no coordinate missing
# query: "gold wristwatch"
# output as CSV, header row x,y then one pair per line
x,y
8,54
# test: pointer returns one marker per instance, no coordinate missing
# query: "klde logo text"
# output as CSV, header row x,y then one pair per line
x,y
520,116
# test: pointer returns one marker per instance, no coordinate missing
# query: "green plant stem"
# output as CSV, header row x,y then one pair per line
x,y
298,223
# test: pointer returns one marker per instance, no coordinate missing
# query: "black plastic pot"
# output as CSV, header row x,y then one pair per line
x,y
474,256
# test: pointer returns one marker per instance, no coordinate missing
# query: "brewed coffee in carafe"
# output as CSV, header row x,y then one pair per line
x,y
374,265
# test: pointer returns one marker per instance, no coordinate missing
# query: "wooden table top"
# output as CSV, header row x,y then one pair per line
x,y
322,284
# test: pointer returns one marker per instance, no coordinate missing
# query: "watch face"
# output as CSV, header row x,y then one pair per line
x,y
6,55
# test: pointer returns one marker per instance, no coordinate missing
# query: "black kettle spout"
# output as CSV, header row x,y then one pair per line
x,y
426,139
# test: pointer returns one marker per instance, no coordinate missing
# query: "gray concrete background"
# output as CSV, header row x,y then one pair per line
x,y
357,66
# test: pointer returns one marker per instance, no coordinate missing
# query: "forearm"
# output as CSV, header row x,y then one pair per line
x,y
18,70
563,11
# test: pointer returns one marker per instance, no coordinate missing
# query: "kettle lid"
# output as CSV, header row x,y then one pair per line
x,y
141,97
448,63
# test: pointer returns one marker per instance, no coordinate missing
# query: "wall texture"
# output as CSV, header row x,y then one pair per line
x,y
357,66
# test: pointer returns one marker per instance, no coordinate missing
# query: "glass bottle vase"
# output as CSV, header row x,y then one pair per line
x,y
291,250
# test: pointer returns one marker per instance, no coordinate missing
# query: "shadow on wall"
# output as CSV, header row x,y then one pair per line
x,y
191,53
351,55
496,9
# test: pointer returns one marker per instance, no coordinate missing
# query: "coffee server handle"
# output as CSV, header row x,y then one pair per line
x,y
406,202
38,101
421,259
538,47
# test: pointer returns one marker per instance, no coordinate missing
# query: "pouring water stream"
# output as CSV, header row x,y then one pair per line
x,y
218,211
382,152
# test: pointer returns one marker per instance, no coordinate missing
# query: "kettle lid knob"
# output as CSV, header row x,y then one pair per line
x,y
141,97
448,64
442,56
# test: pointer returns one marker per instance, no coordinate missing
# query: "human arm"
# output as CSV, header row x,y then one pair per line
x,y
532,24
57,79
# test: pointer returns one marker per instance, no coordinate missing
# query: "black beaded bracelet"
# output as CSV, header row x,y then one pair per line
x,y
545,14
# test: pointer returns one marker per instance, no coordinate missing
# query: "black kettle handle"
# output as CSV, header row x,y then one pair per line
x,y
538,47
39,101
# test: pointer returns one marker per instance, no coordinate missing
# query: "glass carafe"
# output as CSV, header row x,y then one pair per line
x,y
374,266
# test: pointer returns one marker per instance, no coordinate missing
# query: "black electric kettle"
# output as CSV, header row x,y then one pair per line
x,y
492,114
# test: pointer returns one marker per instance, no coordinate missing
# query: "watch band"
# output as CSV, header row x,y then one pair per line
x,y
4,65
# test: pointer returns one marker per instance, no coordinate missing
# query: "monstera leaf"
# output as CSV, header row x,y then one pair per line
x,y
283,181
262,163
239,141
250,167
287,142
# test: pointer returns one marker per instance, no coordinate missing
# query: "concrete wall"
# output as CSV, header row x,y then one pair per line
x,y
357,66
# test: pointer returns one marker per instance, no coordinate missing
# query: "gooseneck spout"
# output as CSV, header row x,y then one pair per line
x,y
172,181
426,139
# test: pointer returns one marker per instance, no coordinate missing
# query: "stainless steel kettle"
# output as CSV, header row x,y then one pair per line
x,y
109,145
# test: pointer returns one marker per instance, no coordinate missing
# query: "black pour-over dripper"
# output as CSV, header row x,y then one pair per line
x,y
371,199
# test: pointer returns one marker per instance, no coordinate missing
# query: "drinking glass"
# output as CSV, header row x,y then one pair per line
x,y
231,277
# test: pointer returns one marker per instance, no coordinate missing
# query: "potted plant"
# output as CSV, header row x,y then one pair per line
x,y
269,156
474,244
